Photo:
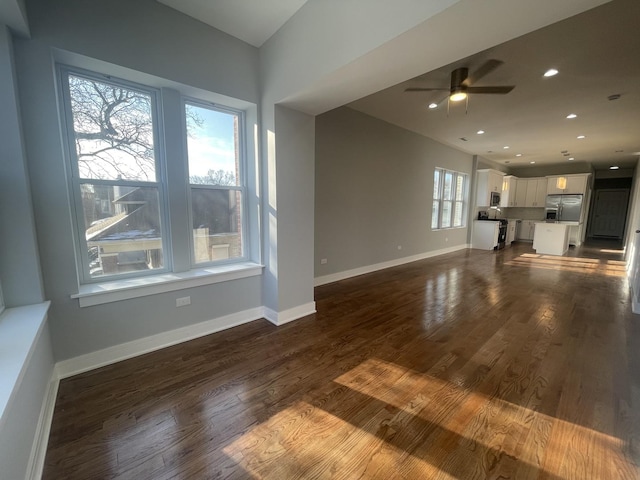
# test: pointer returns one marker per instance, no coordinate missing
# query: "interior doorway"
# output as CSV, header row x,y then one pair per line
x,y
608,213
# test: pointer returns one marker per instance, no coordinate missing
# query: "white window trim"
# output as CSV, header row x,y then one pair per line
x,y
124,289
440,199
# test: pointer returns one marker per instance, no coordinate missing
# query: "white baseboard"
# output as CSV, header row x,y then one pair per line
x,y
107,356
286,316
43,428
335,277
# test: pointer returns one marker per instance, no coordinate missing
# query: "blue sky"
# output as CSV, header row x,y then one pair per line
x,y
211,145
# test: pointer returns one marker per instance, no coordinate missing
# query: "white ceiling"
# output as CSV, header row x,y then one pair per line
x,y
597,54
253,21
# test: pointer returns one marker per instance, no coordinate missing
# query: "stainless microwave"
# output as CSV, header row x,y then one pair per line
x,y
495,199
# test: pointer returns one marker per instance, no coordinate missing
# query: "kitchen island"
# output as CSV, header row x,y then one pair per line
x,y
551,238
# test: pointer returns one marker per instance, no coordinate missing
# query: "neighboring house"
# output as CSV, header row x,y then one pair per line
x,y
129,239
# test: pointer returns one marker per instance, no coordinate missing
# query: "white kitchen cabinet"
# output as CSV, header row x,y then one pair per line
x,y
551,238
488,181
541,193
521,192
536,192
574,184
509,186
527,229
485,234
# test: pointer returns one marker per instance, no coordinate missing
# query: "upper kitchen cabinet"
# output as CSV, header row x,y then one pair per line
x,y
521,192
489,181
509,186
530,192
561,184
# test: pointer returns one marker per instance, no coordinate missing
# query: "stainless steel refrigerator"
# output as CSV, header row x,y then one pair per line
x,y
564,208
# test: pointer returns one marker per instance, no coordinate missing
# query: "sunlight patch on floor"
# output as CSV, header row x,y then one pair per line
x,y
591,266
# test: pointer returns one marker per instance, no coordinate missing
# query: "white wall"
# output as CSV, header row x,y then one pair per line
x,y
374,190
156,41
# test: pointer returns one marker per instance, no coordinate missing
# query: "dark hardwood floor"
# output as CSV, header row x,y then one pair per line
x,y
471,365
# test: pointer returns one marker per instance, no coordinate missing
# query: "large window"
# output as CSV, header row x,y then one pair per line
x,y
449,199
120,187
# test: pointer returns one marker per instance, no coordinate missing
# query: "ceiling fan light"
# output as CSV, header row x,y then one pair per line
x,y
458,96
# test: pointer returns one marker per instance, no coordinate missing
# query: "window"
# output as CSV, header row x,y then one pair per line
x,y
120,189
215,182
449,199
115,173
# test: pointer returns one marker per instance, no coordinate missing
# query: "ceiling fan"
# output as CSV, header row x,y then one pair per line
x,y
461,82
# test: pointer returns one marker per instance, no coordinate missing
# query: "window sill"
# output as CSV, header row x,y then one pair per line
x,y
117,290
19,331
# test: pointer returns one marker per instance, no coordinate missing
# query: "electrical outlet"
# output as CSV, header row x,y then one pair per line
x,y
323,261
182,301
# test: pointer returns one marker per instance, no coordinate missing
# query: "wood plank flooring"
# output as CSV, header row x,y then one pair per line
x,y
471,365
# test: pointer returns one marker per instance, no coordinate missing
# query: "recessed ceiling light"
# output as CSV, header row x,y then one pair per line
x,y
572,115
570,158
433,105
506,147
518,154
580,137
551,72
480,132
614,167
532,163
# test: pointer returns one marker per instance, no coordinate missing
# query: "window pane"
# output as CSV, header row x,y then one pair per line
x,y
448,181
122,229
217,224
436,184
434,214
446,214
212,146
112,131
457,214
459,187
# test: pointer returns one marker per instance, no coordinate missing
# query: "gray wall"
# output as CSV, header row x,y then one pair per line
x,y
288,172
151,39
20,273
19,267
374,190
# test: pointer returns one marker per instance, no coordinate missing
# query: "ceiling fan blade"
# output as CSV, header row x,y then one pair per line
x,y
415,89
486,68
496,90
